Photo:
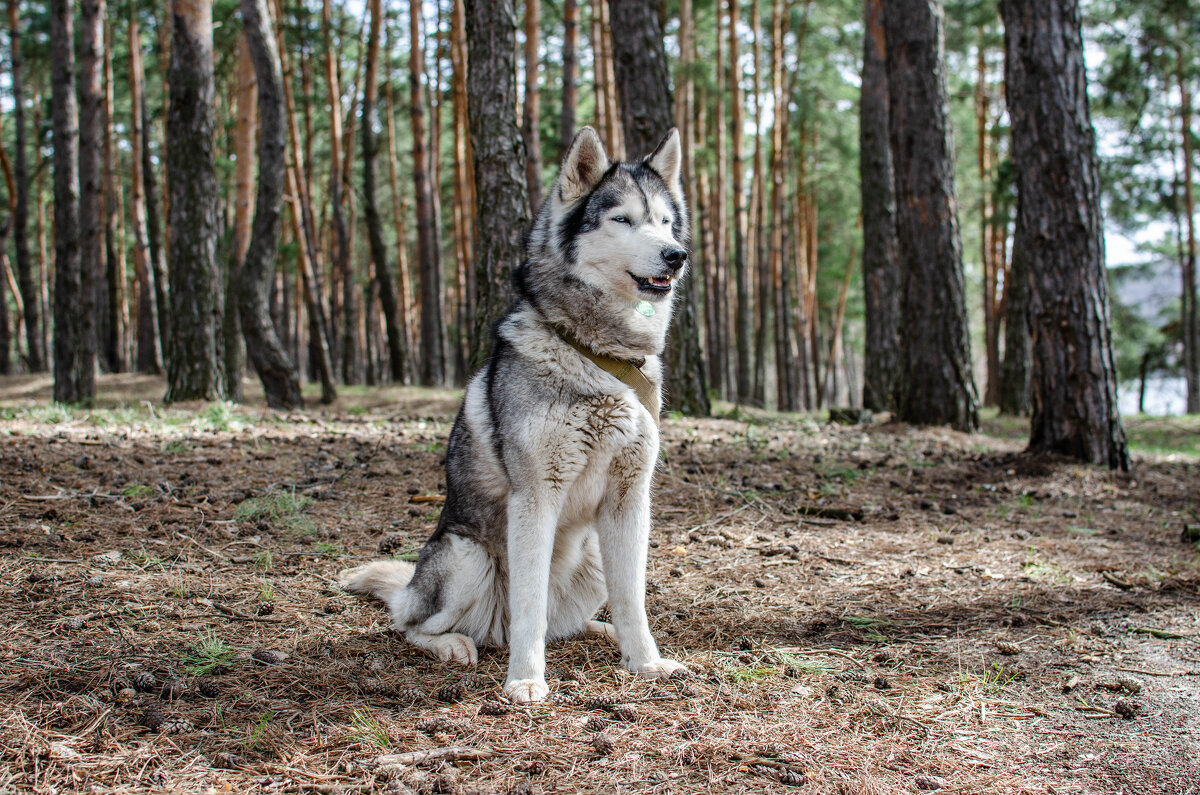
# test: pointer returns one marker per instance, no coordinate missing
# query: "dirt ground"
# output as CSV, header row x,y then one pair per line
x,y
869,609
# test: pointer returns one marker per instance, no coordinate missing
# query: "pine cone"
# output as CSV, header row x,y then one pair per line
x,y
563,698
600,702
451,693
436,725
177,726
209,688
173,689
268,656
625,712
791,776
602,744
690,729
410,695
145,681
265,608
153,719
1007,647
596,724
223,760
490,707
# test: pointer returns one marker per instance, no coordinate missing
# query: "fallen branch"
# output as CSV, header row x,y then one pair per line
x,y
453,753
821,512
427,498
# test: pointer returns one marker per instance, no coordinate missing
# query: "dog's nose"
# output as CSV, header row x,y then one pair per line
x,y
674,257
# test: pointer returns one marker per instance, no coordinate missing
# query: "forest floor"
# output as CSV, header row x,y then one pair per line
x,y
868,609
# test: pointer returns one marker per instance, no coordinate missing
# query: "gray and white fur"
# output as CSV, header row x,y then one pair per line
x,y
550,461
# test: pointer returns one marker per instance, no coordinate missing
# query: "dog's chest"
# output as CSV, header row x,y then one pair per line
x,y
612,447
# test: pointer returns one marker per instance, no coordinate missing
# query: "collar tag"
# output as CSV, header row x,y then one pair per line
x,y
644,308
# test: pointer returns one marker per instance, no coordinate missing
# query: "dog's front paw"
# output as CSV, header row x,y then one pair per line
x,y
662,668
526,691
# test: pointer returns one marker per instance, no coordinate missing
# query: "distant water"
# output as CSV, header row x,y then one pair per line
x,y
1166,395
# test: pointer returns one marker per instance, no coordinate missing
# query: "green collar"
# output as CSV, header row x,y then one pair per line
x,y
627,372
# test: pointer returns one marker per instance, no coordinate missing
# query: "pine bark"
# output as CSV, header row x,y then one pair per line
x,y
244,143
464,181
502,204
158,253
195,365
406,311
1015,398
1190,317
432,364
644,90
880,259
744,311
279,376
30,294
90,88
383,276
937,386
73,296
115,341
1061,233
570,72
530,110
149,353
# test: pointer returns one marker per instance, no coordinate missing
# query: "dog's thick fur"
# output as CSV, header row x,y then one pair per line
x,y
549,464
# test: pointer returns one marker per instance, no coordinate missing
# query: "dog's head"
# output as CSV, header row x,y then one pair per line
x,y
615,234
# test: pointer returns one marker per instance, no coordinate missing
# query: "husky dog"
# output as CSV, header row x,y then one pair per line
x,y
549,464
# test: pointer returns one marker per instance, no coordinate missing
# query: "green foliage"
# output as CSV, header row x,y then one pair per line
x,y
280,507
209,655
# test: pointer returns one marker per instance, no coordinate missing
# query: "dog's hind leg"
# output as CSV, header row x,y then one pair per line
x,y
448,646
601,629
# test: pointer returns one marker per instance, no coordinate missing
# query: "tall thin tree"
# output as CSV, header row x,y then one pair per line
x,y
570,73
280,379
74,297
149,352
383,275
195,365
936,386
530,110
1061,233
90,89
30,294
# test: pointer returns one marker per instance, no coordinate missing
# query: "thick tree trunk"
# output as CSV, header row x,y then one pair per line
x,y
880,261
280,379
744,311
530,110
936,387
149,354
1061,232
502,205
35,352
74,296
644,89
195,366
90,88
432,364
570,73
387,290
1015,398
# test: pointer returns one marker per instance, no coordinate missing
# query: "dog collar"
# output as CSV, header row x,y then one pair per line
x,y
628,373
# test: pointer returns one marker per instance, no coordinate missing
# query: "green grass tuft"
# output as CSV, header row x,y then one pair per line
x,y
209,655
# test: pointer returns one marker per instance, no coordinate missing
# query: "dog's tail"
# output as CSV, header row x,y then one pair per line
x,y
380,579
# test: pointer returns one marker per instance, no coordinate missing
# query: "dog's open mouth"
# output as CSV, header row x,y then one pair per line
x,y
654,284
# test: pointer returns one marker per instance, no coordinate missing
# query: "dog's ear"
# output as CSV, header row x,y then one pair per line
x,y
667,160
583,167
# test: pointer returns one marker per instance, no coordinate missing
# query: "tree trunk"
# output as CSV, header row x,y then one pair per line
x,y
149,354
245,136
404,298
784,370
1015,398
936,387
744,312
570,73
644,89
432,365
530,110
74,297
35,352
1190,325
280,380
387,290
90,88
114,348
987,229
351,360
1060,230
158,254
195,366
758,191
6,275
464,197
502,205
881,266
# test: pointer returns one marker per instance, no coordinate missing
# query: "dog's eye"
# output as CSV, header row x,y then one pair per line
x,y
621,219
666,221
